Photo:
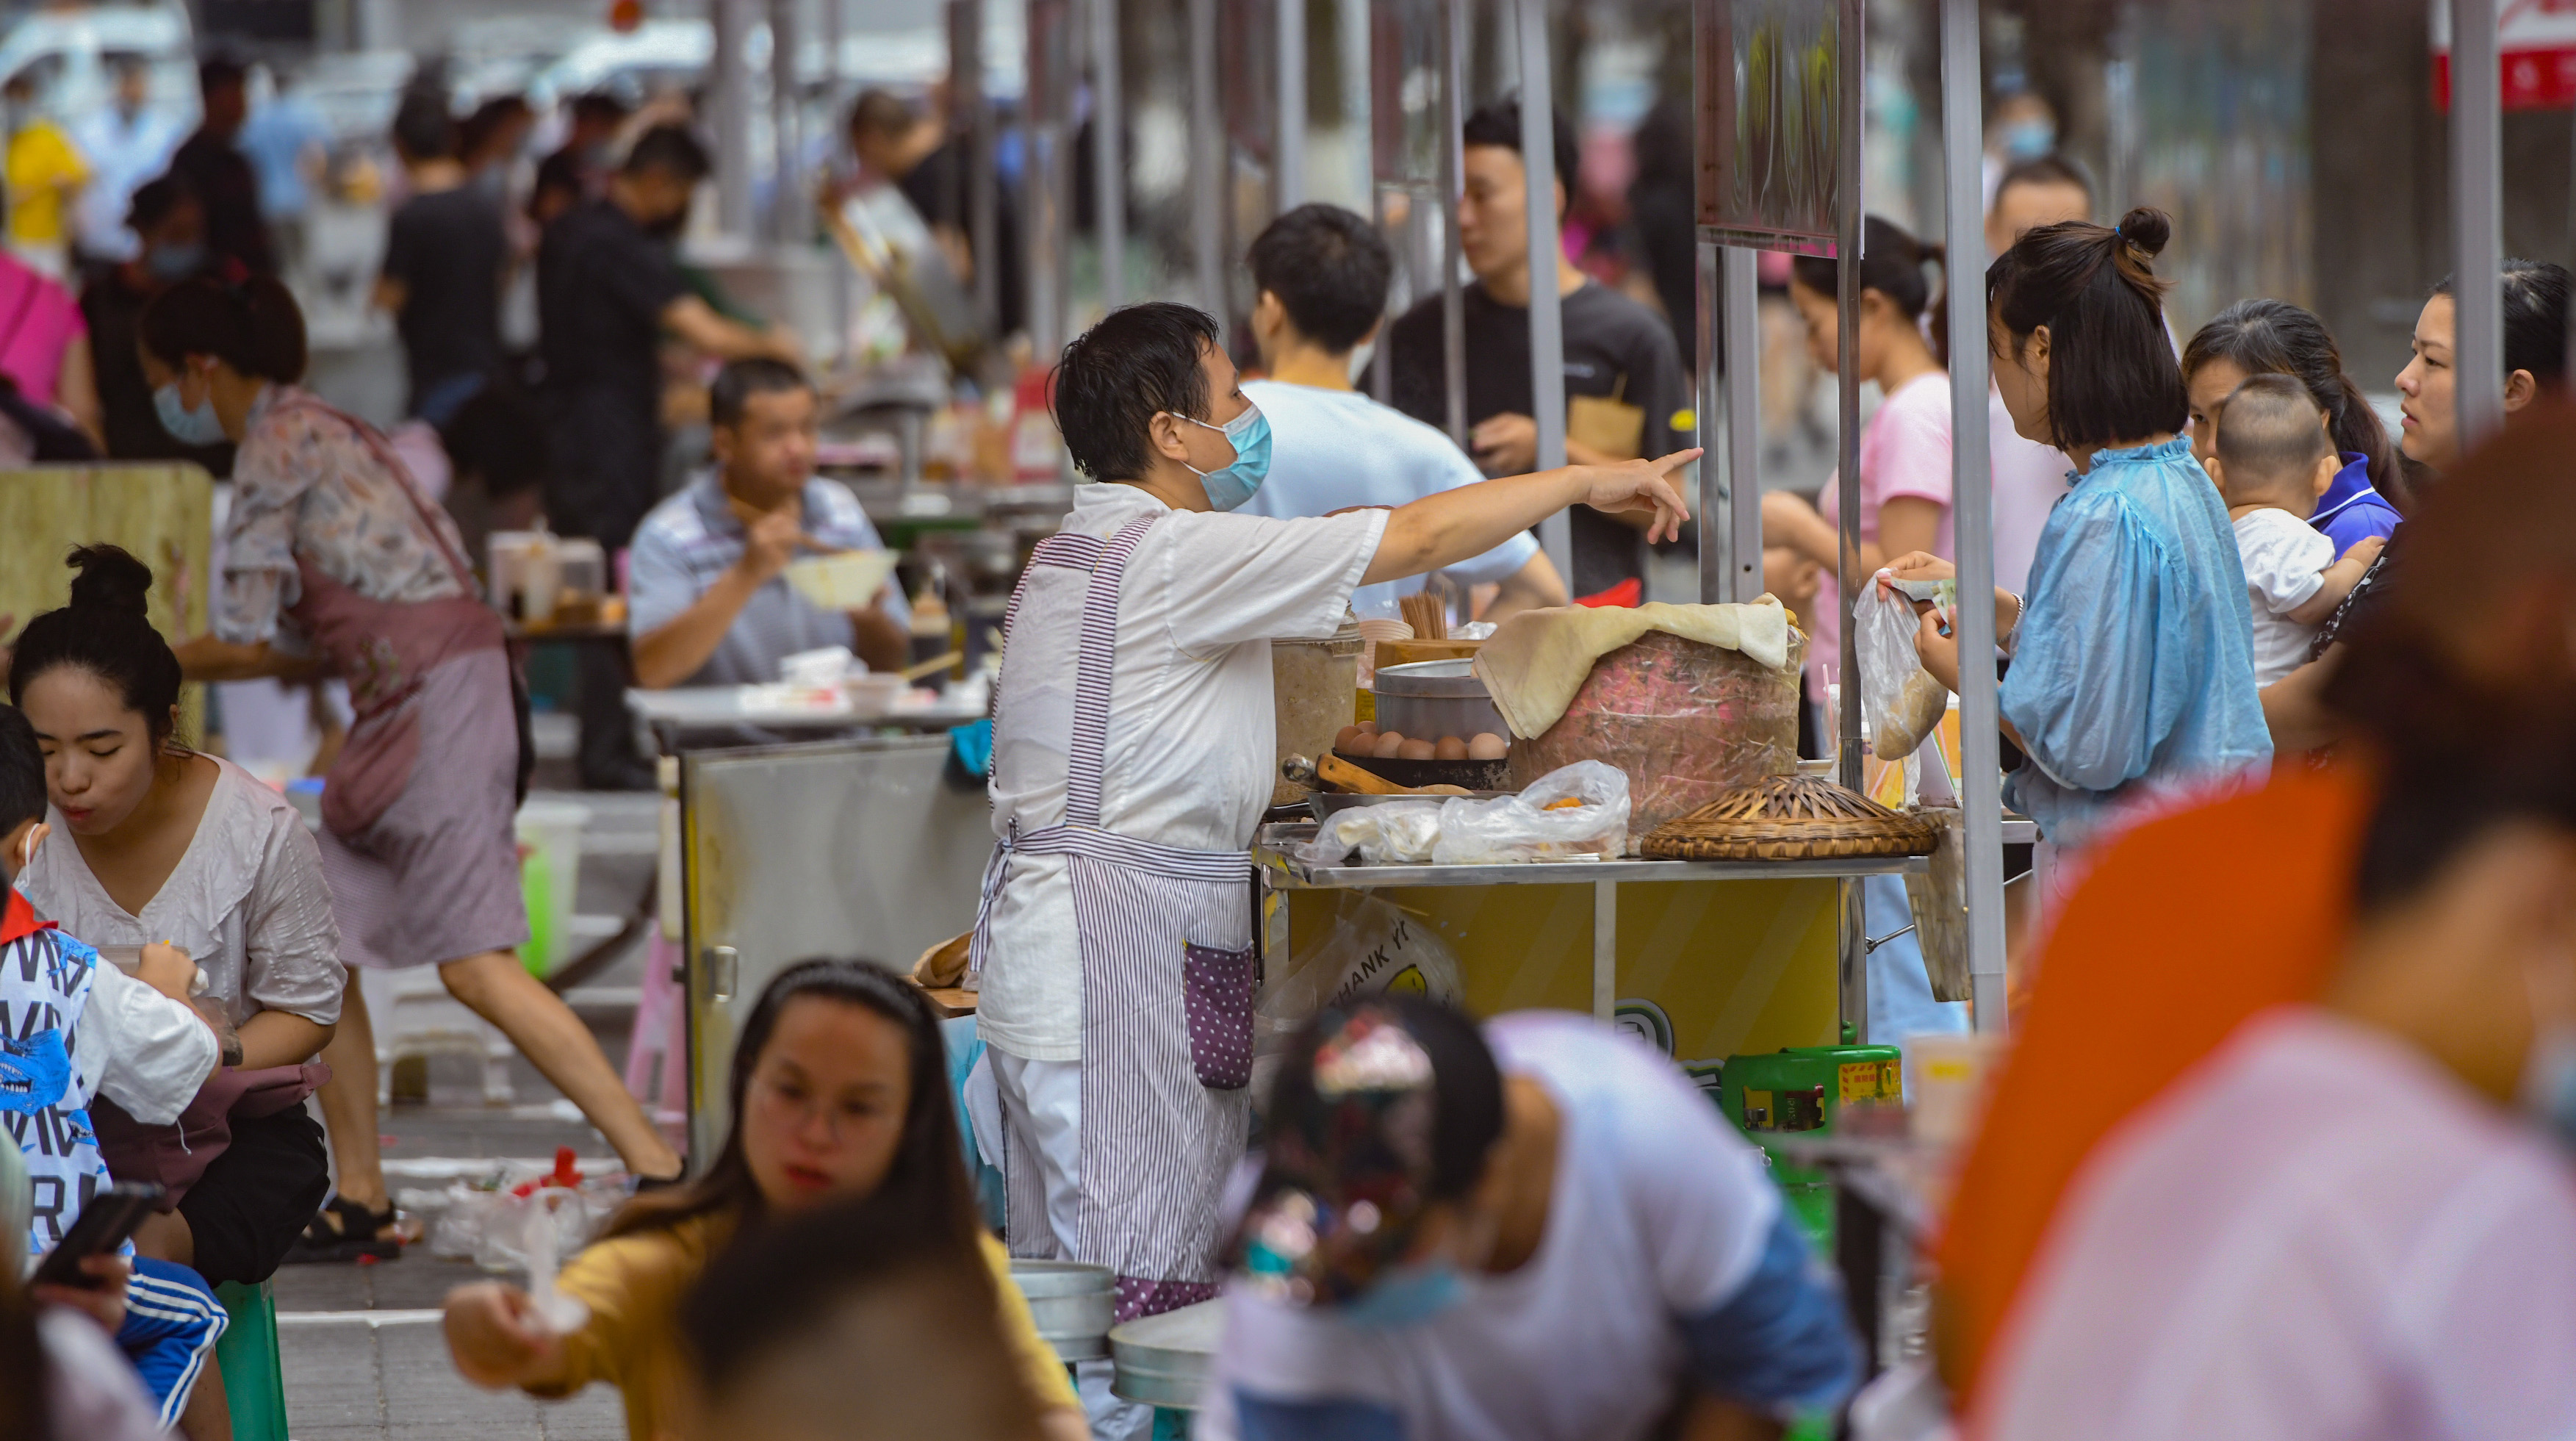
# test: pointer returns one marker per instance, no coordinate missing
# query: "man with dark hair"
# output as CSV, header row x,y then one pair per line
x,y
608,289
1322,274
708,598
220,175
1625,388
580,170
1534,1229
445,251
1114,946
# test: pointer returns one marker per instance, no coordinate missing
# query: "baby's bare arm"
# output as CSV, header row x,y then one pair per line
x,y
2340,578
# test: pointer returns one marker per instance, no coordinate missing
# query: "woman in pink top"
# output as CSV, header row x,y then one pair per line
x,y
44,344
1904,447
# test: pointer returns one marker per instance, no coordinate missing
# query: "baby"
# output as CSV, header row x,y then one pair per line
x,y
2272,460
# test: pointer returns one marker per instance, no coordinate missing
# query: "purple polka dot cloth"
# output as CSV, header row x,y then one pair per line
x,y
1220,987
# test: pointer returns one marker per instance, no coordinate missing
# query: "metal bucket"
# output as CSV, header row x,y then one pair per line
x,y
1314,688
1164,1360
1072,1304
1428,699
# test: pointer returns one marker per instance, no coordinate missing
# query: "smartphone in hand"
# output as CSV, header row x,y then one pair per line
x,y
102,1226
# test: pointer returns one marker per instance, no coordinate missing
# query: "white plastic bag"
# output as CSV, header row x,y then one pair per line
x,y
1373,947
1525,828
1388,833
1898,697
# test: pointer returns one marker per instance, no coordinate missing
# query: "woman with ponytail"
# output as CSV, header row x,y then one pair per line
x,y
2274,337
335,561
2133,669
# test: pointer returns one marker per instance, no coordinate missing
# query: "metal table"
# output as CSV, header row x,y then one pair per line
x,y
674,715
1274,846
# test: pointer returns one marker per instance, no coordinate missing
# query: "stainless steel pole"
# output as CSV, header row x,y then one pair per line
x,y
1288,148
1972,487
1207,163
1546,307
1716,478
1850,67
787,198
2477,217
1351,37
973,124
1453,189
730,23
1108,162
1741,314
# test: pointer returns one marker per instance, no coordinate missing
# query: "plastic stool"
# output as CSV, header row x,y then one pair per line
x,y
247,1357
415,1018
660,1034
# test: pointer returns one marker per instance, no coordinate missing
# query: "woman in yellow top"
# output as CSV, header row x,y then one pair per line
x,y
839,1092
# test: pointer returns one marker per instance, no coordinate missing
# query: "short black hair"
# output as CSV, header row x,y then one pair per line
x,y
2535,318
1137,363
1329,267
2270,429
669,150
879,112
740,380
2111,371
1500,124
154,199
498,435
423,130
22,771
599,107
219,72
2045,170
255,327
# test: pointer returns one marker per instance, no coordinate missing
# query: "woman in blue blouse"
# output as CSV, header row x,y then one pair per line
x,y
2132,669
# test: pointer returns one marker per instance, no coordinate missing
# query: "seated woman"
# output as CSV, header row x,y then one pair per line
x,y
168,844
839,1092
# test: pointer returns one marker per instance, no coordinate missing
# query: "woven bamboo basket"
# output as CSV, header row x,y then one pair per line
x,y
1791,818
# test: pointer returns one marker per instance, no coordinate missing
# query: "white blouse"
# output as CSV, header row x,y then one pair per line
x,y
246,902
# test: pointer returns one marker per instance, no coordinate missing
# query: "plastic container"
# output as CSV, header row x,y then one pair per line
x,y
1428,699
1072,1304
1314,687
549,834
582,567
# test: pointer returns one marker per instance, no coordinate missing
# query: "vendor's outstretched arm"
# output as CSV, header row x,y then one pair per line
x,y
1448,527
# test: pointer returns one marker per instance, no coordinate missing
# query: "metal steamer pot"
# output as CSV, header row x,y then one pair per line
x,y
1072,1304
1428,699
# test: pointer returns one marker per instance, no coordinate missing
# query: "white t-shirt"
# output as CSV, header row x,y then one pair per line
x,y
1660,1213
141,1049
1333,449
2030,479
2285,560
1191,736
2316,1234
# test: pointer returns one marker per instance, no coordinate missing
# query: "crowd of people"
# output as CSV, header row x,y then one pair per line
x,y
2207,561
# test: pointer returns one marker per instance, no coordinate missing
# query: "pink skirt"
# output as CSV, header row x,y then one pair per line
x,y
436,877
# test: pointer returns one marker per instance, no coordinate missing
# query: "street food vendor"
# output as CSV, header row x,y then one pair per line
x,y
1132,760
710,604
1533,1230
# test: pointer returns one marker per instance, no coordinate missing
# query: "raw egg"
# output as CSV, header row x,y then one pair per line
x,y
1389,743
1487,746
1345,740
1413,750
1450,749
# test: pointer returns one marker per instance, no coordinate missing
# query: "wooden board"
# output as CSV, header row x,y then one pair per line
x,y
1405,652
164,514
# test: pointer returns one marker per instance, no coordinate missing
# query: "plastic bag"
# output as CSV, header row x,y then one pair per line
x,y
1373,947
1537,825
1389,833
1686,723
1898,697
487,1219
1939,900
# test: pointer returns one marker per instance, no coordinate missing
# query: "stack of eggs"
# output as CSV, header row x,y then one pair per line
x,y
1366,740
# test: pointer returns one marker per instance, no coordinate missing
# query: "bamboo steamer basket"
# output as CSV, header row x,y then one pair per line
x,y
1791,818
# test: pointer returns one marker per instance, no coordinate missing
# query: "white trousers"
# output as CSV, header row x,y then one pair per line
x,y
1043,1100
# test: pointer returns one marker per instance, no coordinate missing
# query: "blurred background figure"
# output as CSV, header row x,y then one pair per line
x,y
445,255
287,146
489,140
2022,127
171,229
914,151
579,171
45,173
212,164
125,142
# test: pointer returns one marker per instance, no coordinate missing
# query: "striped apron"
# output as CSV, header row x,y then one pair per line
x,y
1169,976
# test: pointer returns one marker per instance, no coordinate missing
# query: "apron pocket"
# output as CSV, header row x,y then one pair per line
x,y
1220,987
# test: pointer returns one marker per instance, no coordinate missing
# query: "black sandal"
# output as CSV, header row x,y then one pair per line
x,y
359,1234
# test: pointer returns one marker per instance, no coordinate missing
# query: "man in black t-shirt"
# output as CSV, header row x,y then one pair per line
x,y
444,254
1615,348
608,288
220,177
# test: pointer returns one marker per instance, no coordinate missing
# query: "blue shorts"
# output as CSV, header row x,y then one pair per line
x,y
172,1321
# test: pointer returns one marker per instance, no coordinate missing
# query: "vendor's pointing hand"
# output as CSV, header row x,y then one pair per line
x,y
1641,485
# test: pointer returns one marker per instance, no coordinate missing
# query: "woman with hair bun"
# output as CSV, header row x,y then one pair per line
x,y
336,562
2133,669
158,842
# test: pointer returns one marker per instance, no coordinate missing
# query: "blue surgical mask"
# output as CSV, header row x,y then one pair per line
x,y
1229,486
2029,139
173,263
1407,1295
200,426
